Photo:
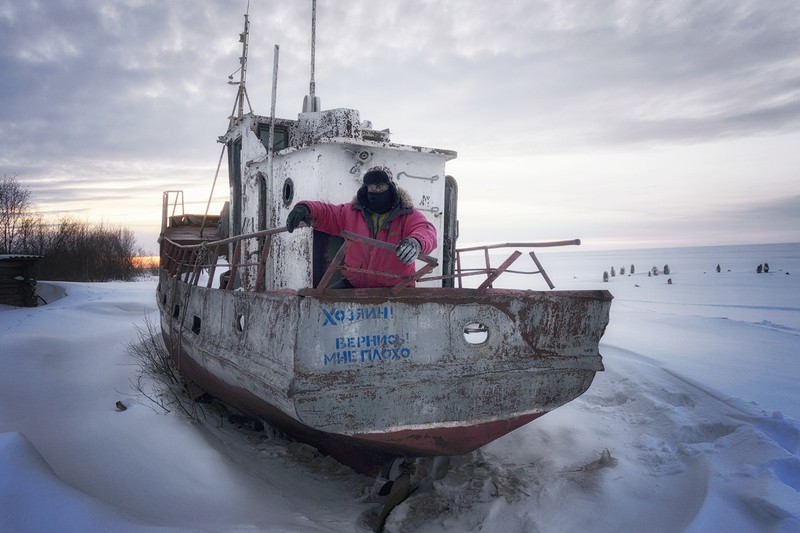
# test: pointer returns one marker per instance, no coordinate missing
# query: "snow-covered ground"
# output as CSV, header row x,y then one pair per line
x,y
694,425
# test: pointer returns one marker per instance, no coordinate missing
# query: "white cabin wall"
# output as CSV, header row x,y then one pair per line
x,y
289,264
323,173
328,170
320,172
252,150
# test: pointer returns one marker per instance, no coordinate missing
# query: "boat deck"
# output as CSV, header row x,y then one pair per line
x,y
192,234
190,229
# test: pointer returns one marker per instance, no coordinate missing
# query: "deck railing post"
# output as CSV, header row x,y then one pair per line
x,y
413,279
333,266
502,268
212,268
190,262
458,265
176,262
234,265
262,263
202,252
541,270
488,263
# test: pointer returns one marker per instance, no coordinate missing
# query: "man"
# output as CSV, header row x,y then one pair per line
x,y
382,211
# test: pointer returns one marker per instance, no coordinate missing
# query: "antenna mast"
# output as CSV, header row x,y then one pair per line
x,y
241,96
311,102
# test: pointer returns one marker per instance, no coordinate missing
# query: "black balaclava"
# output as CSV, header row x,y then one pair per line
x,y
380,202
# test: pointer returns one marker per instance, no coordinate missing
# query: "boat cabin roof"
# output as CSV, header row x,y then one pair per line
x,y
293,135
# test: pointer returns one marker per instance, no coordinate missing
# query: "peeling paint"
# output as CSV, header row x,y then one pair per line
x,y
363,374
541,353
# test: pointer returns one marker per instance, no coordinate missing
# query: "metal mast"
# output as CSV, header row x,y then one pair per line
x,y
311,102
241,96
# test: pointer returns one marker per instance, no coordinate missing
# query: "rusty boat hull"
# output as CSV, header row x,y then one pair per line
x,y
425,368
365,374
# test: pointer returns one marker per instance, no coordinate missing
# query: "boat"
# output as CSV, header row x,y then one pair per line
x,y
440,364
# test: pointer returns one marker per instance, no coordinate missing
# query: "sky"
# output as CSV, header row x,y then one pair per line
x,y
625,124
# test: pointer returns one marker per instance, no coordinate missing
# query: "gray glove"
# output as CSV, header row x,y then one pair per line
x,y
299,214
408,250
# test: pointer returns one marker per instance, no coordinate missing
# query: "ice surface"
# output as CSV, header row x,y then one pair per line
x,y
692,427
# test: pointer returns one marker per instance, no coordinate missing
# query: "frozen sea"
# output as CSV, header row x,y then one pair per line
x,y
694,425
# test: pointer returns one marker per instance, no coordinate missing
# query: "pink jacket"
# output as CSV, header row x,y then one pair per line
x,y
404,221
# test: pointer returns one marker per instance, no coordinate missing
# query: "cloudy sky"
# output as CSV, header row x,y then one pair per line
x,y
624,123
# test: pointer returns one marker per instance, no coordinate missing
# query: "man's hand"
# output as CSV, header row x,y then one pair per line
x,y
408,250
299,214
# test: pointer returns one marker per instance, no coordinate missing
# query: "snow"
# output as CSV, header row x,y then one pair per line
x,y
693,426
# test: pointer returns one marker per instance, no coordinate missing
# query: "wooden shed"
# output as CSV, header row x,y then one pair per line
x,y
18,279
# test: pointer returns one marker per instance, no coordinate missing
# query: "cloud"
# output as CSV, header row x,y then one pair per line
x,y
777,212
610,72
99,78
110,93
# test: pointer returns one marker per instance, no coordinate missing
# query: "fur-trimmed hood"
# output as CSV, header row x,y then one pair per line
x,y
405,201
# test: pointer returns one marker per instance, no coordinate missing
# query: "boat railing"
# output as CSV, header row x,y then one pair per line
x,y
492,273
190,260
337,263
169,207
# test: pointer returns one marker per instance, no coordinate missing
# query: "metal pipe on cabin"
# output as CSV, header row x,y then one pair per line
x,y
271,147
262,267
311,102
312,87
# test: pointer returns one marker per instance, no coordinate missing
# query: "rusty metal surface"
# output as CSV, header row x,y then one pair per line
x,y
540,352
361,373
394,372
445,440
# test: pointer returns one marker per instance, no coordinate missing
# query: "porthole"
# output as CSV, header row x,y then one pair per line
x,y
288,192
476,333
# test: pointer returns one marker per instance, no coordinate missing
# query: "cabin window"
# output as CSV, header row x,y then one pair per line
x,y
281,140
239,322
288,192
476,333
176,311
196,324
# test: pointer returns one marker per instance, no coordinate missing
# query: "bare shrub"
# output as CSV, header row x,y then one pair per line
x,y
76,251
157,379
15,206
71,249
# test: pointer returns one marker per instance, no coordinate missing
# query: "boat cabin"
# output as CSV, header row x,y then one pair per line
x,y
323,156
